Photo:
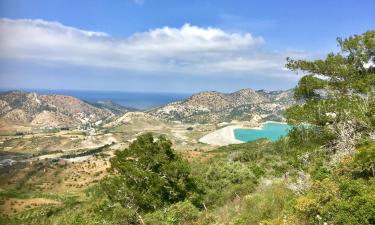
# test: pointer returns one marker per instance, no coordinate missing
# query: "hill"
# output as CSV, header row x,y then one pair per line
x,y
49,111
212,106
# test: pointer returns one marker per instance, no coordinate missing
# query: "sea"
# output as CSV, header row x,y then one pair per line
x,y
137,100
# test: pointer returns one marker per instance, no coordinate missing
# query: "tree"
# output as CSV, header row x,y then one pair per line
x,y
339,91
339,80
150,175
350,71
338,96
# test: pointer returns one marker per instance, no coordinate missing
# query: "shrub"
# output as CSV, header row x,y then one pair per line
x,y
179,213
150,175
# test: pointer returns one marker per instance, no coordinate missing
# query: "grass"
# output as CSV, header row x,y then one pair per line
x,y
265,205
68,199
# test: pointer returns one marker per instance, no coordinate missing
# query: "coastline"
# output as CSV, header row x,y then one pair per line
x,y
225,135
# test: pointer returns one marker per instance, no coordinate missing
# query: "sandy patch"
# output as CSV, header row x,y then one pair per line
x,y
221,137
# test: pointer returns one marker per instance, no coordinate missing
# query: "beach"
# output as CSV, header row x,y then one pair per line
x,y
221,137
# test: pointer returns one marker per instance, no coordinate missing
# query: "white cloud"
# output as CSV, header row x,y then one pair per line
x,y
189,49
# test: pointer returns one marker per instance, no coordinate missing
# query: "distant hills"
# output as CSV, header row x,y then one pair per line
x,y
58,111
212,106
49,111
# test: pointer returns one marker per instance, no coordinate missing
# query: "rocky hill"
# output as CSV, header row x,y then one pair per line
x,y
57,111
211,106
49,111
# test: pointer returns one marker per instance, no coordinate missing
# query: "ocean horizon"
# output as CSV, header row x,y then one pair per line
x,y
132,99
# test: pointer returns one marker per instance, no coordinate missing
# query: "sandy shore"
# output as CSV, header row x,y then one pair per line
x,y
223,136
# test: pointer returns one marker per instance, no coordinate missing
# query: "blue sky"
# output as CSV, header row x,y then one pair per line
x,y
168,46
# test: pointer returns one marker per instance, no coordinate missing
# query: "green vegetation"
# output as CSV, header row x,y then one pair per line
x,y
346,196
339,88
323,172
150,175
339,103
81,153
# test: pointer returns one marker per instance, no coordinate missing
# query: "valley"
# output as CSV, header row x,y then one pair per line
x,y
58,144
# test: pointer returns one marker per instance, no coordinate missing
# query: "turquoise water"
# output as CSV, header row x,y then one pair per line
x,y
270,130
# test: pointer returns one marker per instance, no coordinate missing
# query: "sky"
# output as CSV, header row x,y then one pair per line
x,y
169,45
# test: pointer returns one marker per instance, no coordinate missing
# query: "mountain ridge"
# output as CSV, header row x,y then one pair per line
x,y
213,106
57,111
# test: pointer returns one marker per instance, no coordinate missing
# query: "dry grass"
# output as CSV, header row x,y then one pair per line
x,y
13,205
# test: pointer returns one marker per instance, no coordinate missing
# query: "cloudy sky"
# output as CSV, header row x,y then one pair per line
x,y
168,46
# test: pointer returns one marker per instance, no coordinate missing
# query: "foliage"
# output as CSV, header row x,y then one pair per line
x,y
236,170
307,87
338,94
264,206
226,179
342,198
338,88
363,164
179,213
150,175
345,72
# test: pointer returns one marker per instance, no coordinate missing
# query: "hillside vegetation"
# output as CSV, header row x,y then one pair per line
x,y
323,172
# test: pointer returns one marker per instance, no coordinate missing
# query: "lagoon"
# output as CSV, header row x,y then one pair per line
x,y
270,130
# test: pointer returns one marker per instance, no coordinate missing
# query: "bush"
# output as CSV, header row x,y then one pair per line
x,y
179,213
364,161
346,196
150,175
